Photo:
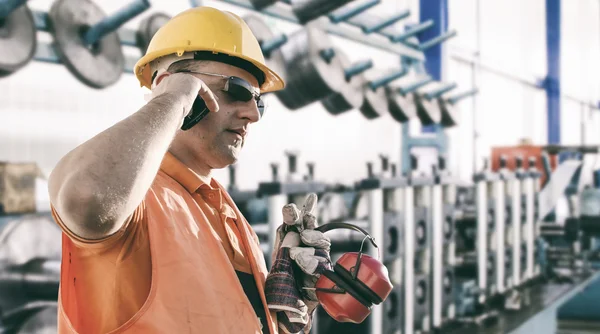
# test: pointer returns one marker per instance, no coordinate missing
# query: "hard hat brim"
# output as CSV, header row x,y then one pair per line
x,y
273,81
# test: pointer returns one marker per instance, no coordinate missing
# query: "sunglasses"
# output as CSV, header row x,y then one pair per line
x,y
236,88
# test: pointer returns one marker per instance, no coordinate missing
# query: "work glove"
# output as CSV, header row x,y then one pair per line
x,y
301,254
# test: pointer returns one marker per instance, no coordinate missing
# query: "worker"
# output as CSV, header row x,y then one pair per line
x,y
152,243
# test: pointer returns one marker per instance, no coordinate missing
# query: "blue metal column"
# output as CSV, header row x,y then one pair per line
x,y
436,10
552,82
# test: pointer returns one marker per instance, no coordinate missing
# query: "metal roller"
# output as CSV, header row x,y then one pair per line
x,y
148,27
314,71
97,65
401,106
374,103
18,40
308,10
350,94
428,110
448,112
269,43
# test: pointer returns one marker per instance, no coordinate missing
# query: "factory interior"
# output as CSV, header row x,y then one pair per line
x,y
461,135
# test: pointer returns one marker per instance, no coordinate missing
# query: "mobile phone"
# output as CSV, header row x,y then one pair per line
x,y
198,112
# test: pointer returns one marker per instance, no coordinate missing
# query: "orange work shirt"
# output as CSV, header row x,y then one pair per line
x,y
172,268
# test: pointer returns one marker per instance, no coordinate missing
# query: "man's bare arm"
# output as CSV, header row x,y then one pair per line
x,y
98,185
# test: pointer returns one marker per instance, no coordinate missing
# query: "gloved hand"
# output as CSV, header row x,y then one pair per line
x,y
301,255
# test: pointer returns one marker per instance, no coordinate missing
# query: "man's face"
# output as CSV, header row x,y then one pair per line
x,y
218,139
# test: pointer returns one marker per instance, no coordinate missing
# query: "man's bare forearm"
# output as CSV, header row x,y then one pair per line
x,y
99,184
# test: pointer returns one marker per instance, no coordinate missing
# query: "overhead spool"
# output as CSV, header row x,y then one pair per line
x,y
401,106
428,110
308,10
449,113
98,65
148,27
349,95
313,68
375,102
18,40
264,35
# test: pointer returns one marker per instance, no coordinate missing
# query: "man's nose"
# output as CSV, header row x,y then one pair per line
x,y
250,111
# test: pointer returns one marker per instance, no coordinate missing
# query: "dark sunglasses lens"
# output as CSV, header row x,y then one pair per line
x,y
239,89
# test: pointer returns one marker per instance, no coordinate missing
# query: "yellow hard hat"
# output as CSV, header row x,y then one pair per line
x,y
218,33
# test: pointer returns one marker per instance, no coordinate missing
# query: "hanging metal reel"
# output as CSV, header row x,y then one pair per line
x,y
428,111
98,65
401,106
314,70
148,27
375,102
449,113
18,40
350,94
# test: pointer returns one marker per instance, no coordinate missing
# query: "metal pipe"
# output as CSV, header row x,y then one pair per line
x,y
458,97
411,88
357,68
282,11
412,31
437,40
386,23
8,6
440,91
387,79
274,43
114,21
351,10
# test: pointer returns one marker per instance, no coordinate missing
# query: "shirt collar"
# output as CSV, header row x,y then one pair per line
x,y
184,175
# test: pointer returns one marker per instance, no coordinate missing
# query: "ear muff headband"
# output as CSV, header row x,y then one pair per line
x,y
346,287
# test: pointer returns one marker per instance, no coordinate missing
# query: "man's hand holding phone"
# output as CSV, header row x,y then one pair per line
x,y
191,92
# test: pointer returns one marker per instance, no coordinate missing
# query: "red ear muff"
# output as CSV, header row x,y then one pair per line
x,y
357,282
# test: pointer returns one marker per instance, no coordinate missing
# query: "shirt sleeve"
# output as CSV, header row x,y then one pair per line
x,y
135,218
